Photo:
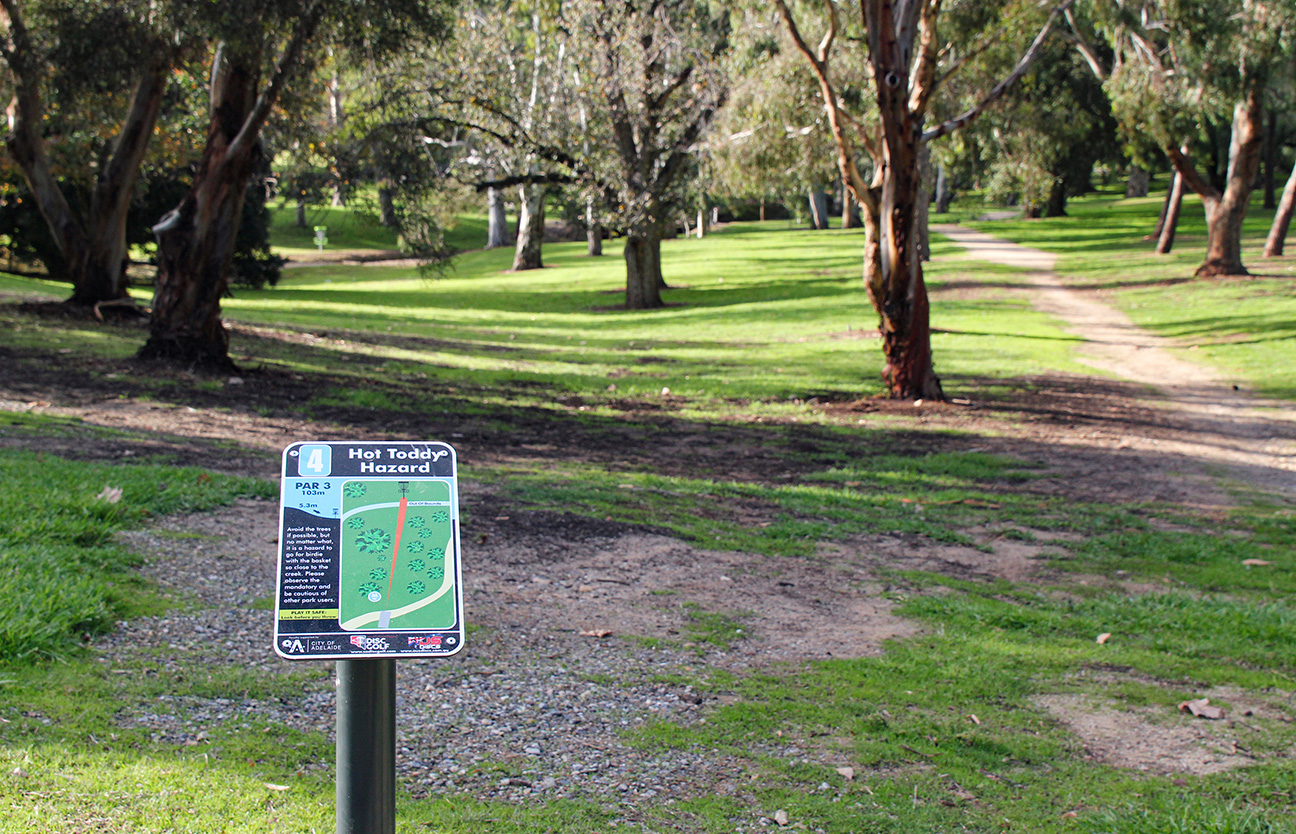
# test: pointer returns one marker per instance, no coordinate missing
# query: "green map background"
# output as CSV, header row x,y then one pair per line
x,y
368,534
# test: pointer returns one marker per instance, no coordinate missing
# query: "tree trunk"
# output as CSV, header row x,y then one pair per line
x,y
701,223
386,205
196,239
1057,198
339,195
531,223
1137,184
497,230
1282,219
922,202
1165,207
762,209
1270,159
894,277
1170,217
944,192
92,251
644,281
896,280
301,210
818,209
593,231
1224,216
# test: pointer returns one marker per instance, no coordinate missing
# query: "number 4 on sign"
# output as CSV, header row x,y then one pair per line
x,y
316,460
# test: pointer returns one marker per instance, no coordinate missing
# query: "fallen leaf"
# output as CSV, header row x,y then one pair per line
x,y
974,720
846,772
110,494
781,817
1070,815
597,632
1255,562
585,589
272,786
1201,708
1103,638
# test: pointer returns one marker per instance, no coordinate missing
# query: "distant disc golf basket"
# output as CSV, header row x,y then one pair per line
x,y
321,237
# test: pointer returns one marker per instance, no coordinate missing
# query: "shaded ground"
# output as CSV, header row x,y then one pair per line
x,y
1158,429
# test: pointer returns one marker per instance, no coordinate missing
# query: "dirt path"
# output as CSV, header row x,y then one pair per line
x,y
1243,438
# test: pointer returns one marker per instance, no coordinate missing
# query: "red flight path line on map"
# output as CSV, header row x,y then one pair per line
x,y
400,526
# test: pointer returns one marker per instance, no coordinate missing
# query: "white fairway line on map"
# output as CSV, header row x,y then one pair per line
x,y
447,582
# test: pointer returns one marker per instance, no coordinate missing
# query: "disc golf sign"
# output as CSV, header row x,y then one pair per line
x,y
368,552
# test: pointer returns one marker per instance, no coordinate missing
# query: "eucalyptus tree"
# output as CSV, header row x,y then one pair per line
x,y
1178,63
907,61
262,48
91,77
771,141
646,78
1055,124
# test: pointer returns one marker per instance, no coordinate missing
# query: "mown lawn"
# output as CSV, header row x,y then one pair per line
x,y
947,731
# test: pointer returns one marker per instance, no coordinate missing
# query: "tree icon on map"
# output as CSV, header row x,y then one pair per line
x,y
408,527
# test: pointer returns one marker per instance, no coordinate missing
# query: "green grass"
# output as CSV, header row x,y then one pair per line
x,y
1241,325
62,576
352,229
945,731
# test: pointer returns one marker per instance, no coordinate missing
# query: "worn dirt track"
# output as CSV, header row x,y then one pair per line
x,y
1211,421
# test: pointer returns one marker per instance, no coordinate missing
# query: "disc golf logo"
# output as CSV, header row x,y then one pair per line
x,y
369,644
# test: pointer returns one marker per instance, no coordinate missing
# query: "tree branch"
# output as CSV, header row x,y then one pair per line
x,y
287,64
837,116
1085,49
1191,176
525,179
963,119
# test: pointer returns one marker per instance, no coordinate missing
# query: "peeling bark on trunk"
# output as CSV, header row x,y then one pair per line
x,y
497,231
1170,217
530,235
196,239
644,281
1282,218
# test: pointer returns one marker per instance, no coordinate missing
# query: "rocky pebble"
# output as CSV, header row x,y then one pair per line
x,y
519,715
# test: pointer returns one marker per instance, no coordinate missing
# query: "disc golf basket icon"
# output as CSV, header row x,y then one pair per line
x,y
321,237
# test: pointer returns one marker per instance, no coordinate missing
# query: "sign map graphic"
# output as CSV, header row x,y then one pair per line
x,y
368,552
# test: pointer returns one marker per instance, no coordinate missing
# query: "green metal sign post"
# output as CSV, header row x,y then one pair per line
x,y
366,746
368,572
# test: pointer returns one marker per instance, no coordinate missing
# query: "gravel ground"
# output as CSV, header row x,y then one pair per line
x,y
522,713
